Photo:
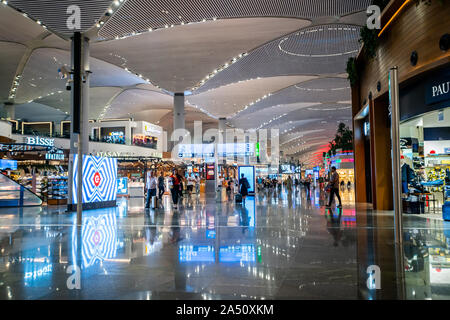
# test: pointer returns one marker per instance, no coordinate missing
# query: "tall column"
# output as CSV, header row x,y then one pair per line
x,y
247,157
222,138
222,129
178,111
79,128
10,111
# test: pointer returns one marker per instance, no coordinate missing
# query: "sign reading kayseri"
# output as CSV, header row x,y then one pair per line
x,y
39,141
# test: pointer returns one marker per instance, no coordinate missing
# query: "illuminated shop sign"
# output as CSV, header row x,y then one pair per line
x,y
39,141
119,154
99,179
152,129
58,155
237,149
223,150
438,90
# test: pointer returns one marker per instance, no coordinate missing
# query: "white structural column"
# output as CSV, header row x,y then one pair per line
x,y
222,130
178,111
10,111
222,138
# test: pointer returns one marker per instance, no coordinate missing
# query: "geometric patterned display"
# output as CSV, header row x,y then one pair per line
x,y
99,236
99,179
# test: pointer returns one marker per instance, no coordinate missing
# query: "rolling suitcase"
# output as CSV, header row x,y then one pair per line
x,y
154,202
446,211
238,198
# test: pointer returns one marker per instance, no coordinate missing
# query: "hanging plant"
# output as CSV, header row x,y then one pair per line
x,y
352,71
370,40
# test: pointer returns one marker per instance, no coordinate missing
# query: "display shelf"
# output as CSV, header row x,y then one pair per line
x,y
57,190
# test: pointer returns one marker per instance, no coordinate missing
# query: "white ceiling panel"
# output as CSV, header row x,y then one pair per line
x,y
316,50
140,15
178,58
228,100
10,56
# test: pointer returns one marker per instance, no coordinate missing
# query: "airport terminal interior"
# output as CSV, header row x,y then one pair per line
x,y
225,150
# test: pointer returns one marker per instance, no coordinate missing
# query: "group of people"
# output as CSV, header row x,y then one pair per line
x,y
156,183
332,185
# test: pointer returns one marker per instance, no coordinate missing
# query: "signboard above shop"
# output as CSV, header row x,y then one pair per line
x,y
39,141
223,150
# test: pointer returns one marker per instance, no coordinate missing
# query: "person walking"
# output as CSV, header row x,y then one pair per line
x,y
151,187
161,185
190,183
289,184
180,189
308,185
197,184
175,188
244,186
334,187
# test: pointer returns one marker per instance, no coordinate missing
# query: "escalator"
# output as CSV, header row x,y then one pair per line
x,y
13,194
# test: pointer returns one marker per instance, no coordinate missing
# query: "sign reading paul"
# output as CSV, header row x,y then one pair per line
x,y
99,182
438,90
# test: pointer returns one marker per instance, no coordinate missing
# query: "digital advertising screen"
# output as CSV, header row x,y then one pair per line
x,y
249,173
286,168
145,141
210,172
99,179
8,164
122,186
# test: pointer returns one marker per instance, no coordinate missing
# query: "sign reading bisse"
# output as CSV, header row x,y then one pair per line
x,y
39,141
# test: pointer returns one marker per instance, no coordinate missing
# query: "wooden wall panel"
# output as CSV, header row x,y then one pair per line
x,y
382,156
417,28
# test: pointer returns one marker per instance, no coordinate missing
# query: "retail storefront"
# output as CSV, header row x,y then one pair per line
x,y
425,141
38,165
423,64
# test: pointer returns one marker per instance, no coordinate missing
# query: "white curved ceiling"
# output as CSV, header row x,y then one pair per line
x,y
138,15
227,100
259,63
178,58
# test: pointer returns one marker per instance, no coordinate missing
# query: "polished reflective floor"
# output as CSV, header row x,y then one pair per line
x,y
276,245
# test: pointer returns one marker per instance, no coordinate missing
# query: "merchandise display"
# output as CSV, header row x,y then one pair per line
x,y
57,190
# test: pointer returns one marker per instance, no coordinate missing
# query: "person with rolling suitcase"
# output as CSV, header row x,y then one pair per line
x,y
151,188
244,186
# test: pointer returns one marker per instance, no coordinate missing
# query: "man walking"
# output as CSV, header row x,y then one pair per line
x,y
161,185
334,187
151,187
